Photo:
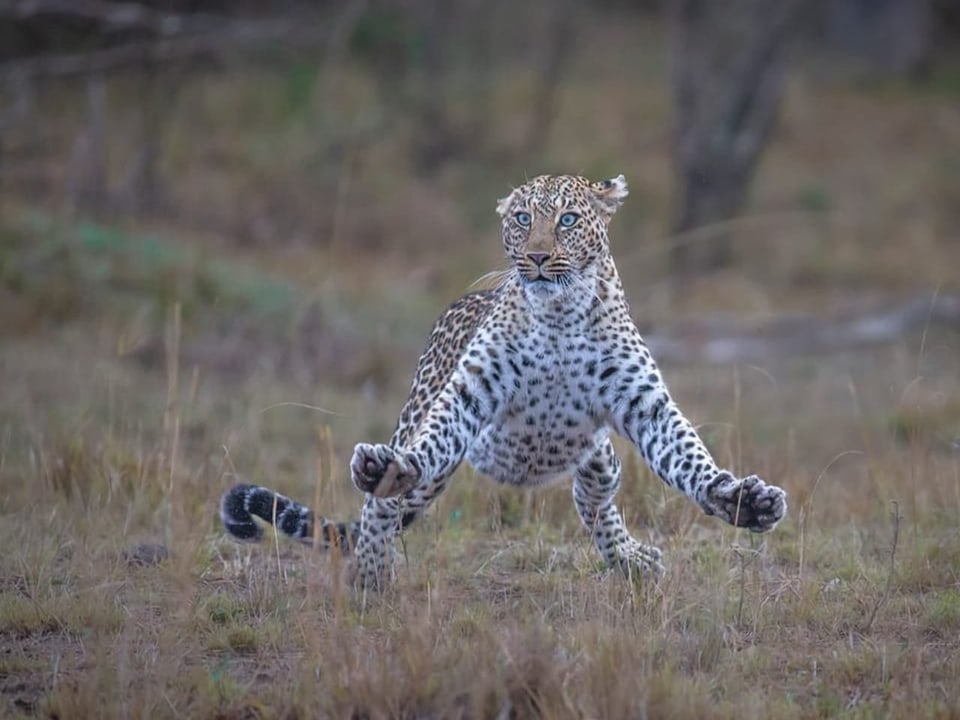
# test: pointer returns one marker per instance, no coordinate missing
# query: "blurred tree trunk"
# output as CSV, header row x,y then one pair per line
x,y
727,74
87,170
16,100
891,37
143,191
437,138
460,35
559,36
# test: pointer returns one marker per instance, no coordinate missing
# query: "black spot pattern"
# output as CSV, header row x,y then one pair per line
x,y
526,382
242,503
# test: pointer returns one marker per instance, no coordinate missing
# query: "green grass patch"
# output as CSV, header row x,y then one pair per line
x,y
23,617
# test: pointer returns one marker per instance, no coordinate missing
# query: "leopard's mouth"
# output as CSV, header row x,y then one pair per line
x,y
545,277
541,280
544,286
542,275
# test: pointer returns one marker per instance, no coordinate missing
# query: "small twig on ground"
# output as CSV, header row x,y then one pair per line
x,y
807,507
743,583
741,554
890,571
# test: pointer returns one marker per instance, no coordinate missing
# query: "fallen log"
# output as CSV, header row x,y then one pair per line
x,y
720,341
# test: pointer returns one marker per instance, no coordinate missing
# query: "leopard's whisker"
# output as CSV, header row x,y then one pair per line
x,y
496,278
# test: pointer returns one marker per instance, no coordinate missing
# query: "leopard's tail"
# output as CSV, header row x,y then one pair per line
x,y
242,503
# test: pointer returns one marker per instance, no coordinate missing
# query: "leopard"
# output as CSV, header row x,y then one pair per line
x,y
527,381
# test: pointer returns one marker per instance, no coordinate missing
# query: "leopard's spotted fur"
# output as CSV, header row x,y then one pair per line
x,y
526,382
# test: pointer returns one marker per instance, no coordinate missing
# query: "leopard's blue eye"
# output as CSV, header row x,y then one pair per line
x,y
569,219
523,219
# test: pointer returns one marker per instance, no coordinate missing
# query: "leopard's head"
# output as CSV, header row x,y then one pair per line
x,y
554,230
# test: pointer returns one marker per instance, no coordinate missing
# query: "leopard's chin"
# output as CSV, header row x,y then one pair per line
x,y
543,288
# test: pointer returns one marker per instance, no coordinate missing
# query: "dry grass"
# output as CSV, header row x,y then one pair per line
x,y
847,610
137,385
501,608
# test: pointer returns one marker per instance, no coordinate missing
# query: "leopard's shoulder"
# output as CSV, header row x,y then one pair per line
x,y
450,335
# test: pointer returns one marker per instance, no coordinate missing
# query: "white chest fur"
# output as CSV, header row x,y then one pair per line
x,y
547,421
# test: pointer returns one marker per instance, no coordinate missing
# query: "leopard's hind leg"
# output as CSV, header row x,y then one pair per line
x,y
595,483
381,521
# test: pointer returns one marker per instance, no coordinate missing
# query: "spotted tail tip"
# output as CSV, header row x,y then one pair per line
x,y
236,518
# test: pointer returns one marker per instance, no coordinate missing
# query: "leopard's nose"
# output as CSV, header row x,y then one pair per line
x,y
538,258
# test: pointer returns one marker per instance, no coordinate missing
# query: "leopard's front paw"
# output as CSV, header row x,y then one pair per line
x,y
381,471
638,560
748,503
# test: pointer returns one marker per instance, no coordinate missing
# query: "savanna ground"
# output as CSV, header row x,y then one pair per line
x,y
147,366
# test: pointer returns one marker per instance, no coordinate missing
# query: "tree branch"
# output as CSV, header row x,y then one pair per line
x,y
228,36
112,16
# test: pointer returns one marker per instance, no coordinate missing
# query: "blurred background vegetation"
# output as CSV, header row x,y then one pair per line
x,y
308,183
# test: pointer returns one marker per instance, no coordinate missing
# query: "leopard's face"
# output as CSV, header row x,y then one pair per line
x,y
555,230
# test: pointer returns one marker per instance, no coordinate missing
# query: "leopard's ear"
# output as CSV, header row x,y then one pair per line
x,y
608,195
503,204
